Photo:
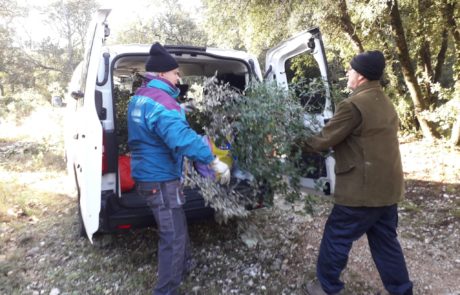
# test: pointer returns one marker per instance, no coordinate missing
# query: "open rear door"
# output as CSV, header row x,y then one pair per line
x,y
301,61
88,131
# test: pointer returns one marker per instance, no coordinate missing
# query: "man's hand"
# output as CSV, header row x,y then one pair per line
x,y
188,106
221,170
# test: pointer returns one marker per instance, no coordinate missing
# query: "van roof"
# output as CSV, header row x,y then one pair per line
x,y
209,55
177,49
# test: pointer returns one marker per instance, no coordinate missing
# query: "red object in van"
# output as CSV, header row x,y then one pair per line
x,y
124,166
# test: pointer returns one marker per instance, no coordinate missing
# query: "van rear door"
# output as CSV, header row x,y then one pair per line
x,y
88,131
300,63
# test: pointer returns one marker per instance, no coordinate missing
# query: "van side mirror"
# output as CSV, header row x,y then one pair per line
x,y
311,43
106,31
77,94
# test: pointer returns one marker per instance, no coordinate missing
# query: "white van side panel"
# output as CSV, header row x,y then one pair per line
x,y
70,123
89,162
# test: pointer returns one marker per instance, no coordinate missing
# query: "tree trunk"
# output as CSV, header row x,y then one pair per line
x,y
425,59
455,135
407,69
441,57
431,75
427,70
425,51
448,13
348,27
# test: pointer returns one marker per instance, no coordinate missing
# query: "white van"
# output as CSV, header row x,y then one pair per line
x,y
105,80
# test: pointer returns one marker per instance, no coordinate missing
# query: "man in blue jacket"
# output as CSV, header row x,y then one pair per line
x,y
159,137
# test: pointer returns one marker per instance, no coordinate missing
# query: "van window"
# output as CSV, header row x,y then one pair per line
x,y
304,77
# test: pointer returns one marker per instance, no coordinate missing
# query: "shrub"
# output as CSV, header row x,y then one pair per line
x,y
20,105
446,112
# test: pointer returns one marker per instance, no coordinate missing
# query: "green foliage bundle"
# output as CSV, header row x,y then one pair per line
x,y
228,201
122,97
262,127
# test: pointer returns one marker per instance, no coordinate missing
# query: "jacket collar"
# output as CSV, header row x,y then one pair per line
x,y
365,86
164,85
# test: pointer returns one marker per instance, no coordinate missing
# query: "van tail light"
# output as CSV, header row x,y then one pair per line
x,y
105,166
124,226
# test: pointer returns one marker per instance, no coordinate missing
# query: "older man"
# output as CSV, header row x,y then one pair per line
x,y
159,137
369,181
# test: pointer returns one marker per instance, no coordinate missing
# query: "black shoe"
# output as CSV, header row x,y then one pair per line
x,y
314,288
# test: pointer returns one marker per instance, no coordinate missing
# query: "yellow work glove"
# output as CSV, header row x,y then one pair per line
x,y
222,170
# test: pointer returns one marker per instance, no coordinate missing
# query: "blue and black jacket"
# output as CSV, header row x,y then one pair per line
x,y
159,135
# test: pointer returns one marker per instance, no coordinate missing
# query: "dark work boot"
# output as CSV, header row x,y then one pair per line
x,y
314,288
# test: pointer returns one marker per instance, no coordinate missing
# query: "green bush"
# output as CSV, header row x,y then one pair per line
x,y
20,105
446,113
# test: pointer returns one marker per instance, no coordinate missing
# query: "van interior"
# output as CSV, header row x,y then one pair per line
x,y
128,75
195,66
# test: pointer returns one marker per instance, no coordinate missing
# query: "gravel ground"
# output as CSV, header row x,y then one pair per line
x,y
272,252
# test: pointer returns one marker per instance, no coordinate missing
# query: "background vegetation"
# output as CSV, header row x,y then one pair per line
x,y
421,40
40,252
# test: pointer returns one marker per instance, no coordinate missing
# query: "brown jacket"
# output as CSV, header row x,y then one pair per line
x,y
363,135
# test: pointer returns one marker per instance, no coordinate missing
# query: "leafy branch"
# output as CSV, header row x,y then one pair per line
x,y
262,126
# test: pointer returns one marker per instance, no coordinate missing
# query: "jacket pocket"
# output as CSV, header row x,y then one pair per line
x,y
174,194
342,168
152,194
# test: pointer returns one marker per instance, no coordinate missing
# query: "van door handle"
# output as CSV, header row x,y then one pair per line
x,y
77,94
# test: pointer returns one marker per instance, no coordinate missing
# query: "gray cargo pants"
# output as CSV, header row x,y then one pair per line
x,y
165,199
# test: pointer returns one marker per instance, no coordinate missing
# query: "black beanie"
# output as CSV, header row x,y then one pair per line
x,y
160,60
370,64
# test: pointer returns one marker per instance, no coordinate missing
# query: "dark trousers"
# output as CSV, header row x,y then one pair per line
x,y
346,225
165,200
